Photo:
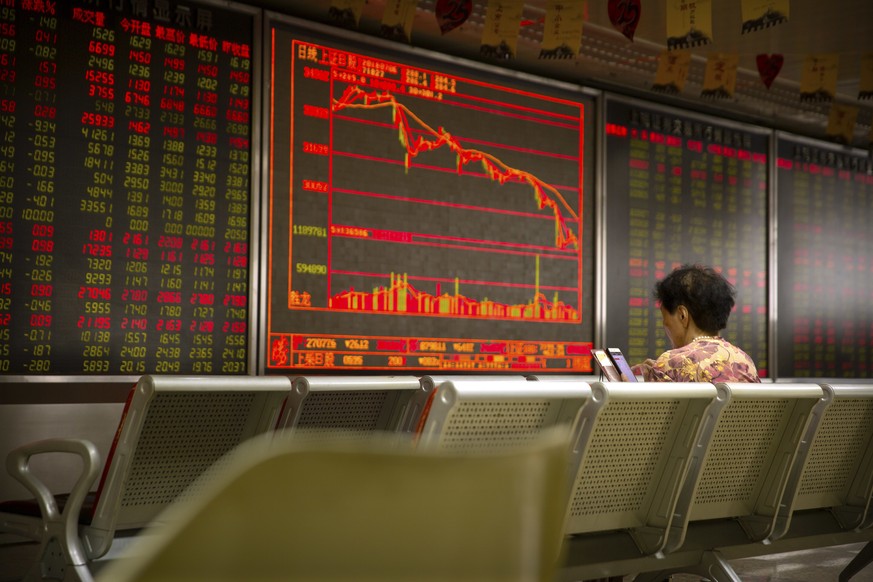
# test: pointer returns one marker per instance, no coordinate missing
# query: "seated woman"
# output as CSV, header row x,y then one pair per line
x,y
695,304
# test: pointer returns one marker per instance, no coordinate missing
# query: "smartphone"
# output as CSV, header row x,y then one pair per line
x,y
607,367
621,364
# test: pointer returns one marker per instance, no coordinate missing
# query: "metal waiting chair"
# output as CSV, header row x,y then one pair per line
x,y
364,509
173,430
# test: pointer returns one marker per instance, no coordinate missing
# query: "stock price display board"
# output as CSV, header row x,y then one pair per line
x,y
423,216
682,189
825,249
124,187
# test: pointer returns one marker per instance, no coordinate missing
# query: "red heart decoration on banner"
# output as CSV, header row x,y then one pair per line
x,y
625,15
451,14
769,67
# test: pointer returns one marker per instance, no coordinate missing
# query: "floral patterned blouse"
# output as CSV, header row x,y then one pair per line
x,y
711,359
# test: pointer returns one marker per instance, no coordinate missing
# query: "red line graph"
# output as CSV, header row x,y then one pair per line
x,y
426,138
404,208
394,292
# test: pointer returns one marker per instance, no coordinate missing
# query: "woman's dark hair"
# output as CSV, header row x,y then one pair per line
x,y
707,295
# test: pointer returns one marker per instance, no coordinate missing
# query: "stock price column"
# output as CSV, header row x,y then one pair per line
x,y
39,217
134,158
8,118
124,186
683,190
205,115
174,190
94,214
236,193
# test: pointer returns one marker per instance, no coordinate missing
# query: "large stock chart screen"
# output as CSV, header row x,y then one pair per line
x,y
424,215
683,189
825,248
125,157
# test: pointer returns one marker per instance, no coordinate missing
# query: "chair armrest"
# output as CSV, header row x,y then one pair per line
x,y
59,523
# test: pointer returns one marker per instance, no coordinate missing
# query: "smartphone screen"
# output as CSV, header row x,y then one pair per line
x,y
623,367
607,368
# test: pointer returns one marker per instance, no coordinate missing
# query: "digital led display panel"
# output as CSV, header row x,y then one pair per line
x,y
423,215
125,187
683,189
825,267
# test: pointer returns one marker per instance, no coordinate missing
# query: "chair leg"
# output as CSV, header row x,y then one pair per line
x,y
858,563
79,573
55,564
717,569
712,567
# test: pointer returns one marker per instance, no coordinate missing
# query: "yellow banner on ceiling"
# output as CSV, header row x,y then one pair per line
x,y
500,34
562,29
720,78
397,19
760,14
841,123
689,23
672,71
818,81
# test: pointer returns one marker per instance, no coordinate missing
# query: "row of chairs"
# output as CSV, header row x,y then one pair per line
x,y
694,481
660,477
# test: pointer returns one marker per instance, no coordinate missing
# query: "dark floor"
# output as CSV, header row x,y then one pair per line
x,y
821,565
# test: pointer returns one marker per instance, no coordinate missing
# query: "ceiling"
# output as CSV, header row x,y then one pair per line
x,y
608,60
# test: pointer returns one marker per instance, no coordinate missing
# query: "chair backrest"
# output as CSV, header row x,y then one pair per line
x,y
834,468
744,469
321,405
413,422
631,449
364,510
172,430
470,413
